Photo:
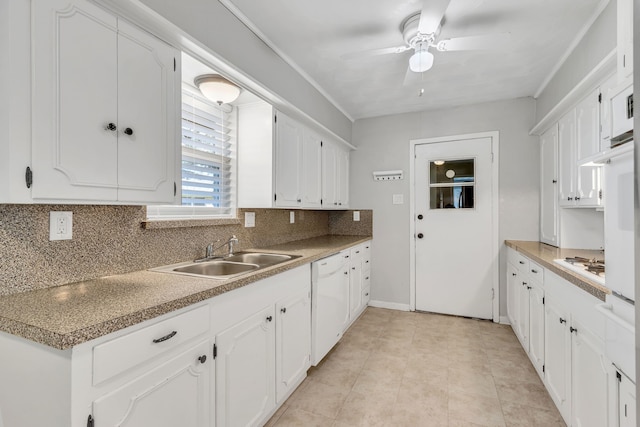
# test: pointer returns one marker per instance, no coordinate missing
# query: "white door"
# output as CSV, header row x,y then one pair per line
x,y
454,245
288,170
329,174
293,341
174,394
523,314
536,327
557,357
245,371
549,186
513,285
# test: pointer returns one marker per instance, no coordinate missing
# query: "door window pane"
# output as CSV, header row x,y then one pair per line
x,y
452,184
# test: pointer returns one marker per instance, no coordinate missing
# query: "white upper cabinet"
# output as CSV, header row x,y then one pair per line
x,y
288,164
579,138
104,107
282,163
625,39
549,186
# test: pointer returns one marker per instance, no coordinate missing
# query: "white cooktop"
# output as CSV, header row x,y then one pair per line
x,y
580,269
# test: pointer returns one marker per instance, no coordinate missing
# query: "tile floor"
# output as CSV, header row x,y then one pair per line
x,y
396,368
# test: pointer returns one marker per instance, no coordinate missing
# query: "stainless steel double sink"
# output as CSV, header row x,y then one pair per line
x,y
228,267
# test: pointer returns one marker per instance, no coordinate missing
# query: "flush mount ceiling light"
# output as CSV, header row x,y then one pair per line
x,y
217,89
438,162
422,60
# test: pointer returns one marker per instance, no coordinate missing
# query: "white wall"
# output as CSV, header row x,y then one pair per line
x,y
597,43
219,31
383,144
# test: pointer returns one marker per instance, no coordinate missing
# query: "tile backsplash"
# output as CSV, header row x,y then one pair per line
x,y
111,240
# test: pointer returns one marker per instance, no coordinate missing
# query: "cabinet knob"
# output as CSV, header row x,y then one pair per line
x,y
554,181
534,271
353,268
128,131
299,200
572,329
269,318
367,294
563,320
202,358
420,235
283,310
513,274
346,272
420,216
577,197
569,198
528,287
521,262
111,126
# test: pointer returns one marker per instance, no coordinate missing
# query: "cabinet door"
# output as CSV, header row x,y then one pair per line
x,y
626,402
312,170
625,39
146,117
293,341
588,126
513,285
536,327
329,175
557,357
245,371
589,379
174,394
288,162
523,314
355,288
566,158
549,186
74,155
342,184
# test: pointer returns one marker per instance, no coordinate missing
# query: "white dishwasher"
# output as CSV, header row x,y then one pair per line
x,y
330,303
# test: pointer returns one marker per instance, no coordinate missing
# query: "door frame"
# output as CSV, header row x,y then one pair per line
x,y
495,166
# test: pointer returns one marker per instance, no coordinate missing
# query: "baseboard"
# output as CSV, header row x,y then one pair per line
x,y
504,320
390,305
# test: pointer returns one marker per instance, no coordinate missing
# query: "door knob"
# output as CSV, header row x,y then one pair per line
x,y
128,131
420,235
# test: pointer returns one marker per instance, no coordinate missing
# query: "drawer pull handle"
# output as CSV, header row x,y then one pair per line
x,y
534,271
202,358
269,318
572,329
166,337
521,262
283,310
562,320
357,252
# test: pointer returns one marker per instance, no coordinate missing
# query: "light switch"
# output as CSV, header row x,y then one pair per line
x,y
398,199
249,219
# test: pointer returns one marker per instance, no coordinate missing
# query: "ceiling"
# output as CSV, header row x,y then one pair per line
x,y
315,37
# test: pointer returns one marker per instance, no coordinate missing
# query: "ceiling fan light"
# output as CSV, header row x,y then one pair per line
x,y
421,61
217,89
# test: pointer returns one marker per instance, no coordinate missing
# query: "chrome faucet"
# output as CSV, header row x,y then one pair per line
x,y
209,251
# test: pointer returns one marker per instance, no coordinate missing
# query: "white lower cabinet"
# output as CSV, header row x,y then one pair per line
x,y
245,370
176,393
359,279
293,342
562,333
626,402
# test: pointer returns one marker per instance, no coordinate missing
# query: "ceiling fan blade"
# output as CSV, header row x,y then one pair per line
x,y
431,15
486,42
375,52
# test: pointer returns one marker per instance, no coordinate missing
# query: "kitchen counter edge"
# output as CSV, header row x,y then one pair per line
x,y
68,315
545,254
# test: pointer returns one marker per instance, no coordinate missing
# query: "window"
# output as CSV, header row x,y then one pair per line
x,y
208,160
452,184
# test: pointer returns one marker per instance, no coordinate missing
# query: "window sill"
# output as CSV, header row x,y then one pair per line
x,y
157,224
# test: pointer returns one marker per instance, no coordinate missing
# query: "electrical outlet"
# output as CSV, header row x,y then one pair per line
x,y
60,225
292,217
249,219
356,215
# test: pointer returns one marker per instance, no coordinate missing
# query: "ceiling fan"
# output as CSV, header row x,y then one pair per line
x,y
420,32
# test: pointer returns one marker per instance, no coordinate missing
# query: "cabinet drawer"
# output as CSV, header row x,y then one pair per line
x,y
357,252
122,353
536,272
520,261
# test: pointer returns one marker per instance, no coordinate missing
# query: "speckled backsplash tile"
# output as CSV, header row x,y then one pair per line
x,y
111,240
342,223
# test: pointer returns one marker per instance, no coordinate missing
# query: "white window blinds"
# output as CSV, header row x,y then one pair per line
x,y
208,159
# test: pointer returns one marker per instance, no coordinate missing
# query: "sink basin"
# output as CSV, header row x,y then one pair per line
x,y
262,259
227,268
217,268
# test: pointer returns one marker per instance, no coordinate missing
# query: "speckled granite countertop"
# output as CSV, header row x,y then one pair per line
x,y
68,315
544,255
